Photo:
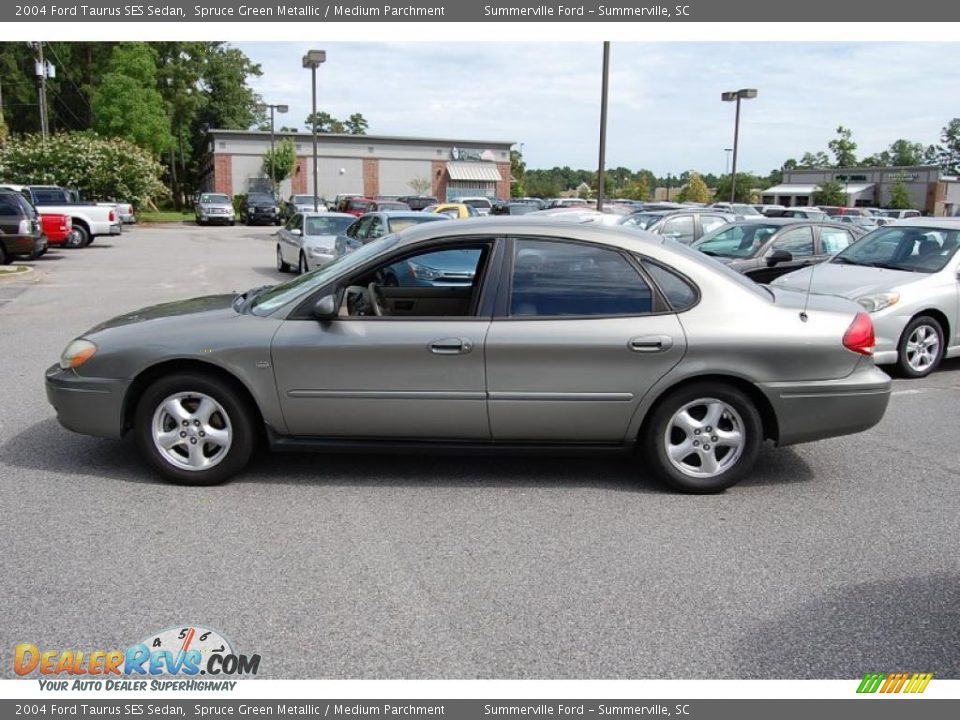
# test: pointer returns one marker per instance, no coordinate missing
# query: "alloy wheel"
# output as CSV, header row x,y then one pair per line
x,y
922,348
704,438
191,431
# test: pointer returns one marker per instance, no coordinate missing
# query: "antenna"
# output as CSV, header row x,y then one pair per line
x,y
806,298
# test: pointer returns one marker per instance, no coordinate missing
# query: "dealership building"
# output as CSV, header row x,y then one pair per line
x,y
368,165
929,190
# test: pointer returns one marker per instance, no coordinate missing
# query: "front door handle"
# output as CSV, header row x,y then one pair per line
x,y
451,346
650,343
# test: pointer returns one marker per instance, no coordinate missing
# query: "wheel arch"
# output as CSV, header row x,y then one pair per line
x,y
771,428
152,373
937,315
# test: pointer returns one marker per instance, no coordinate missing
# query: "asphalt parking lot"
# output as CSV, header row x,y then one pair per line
x,y
835,559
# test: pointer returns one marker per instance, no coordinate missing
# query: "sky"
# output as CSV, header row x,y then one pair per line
x,y
664,113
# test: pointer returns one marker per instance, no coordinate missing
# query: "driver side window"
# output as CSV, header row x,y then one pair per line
x,y
433,283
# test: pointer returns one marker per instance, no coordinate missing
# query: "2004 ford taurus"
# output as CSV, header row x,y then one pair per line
x,y
565,337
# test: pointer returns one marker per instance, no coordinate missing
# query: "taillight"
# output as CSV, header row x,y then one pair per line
x,y
859,337
113,216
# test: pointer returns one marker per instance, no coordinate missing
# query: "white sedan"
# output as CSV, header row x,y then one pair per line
x,y
307,240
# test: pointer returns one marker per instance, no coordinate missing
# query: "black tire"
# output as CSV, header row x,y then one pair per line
x,y
239,420
919,368
80,237
5,257
200,222
745,418
232,223
302,264
282,266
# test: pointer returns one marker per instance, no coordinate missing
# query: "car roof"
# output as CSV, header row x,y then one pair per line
x,y
939,223
404,214
320,213
785,221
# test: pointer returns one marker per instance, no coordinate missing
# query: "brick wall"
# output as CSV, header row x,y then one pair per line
x,y
503,187
223,174
371,177
298,182
438,179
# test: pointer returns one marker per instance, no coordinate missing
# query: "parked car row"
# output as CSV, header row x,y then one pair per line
x,y
34,217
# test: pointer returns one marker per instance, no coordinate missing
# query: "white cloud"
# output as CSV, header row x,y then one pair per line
x,y
665,112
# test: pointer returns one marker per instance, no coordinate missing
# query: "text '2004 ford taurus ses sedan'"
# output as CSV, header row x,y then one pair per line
x,y
563,336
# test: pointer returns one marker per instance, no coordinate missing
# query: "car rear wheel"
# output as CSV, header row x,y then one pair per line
x,y
703,438
5,257
282,265
78,237
193,429
921,347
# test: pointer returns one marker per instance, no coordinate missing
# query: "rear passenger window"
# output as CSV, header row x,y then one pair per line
x,y
555,279
679,292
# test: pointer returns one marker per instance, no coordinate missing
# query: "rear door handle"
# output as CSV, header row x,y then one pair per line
x,y
650,343
451,346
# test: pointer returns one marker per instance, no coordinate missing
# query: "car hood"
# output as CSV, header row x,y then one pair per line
x,y
326,241
849,281
193,306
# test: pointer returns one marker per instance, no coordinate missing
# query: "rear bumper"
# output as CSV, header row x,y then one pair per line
x,y
116,228
808,411
23,244
91,406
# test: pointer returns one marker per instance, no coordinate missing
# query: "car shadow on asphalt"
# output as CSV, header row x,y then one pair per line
x,y
897,625
48,447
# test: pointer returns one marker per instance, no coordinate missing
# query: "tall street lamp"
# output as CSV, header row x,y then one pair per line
x,y
604,86
314,59
726,164
280,109
736,95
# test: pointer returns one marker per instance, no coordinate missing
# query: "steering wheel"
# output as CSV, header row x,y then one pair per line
x,y
375,299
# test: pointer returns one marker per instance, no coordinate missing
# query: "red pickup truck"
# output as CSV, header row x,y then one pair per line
x,y
58,228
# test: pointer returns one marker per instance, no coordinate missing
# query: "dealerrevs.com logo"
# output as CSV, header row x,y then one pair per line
x,y
188,657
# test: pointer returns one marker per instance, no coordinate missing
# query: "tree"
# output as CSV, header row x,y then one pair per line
x,y
697,190
127,103
948,155
905,153
278,163
830,193
899,197
639,189
746,184
517,170
420,185
356,124
843,148
814,160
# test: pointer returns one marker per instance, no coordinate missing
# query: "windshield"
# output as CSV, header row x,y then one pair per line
x,y
259,198
913,249
392,206
736,241
745,210
477,202
641,220
280,295
327,225
212,199
302,200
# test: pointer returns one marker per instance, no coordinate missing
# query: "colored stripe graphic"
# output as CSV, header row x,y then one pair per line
x,y
894,682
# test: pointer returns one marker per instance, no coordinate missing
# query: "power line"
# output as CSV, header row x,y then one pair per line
x,y
67,76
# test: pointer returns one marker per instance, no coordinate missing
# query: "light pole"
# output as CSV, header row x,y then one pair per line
x,y
726,164
279,109
736,95
314,59
601,175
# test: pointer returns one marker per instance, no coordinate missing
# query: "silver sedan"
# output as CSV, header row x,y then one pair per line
x,y
307,240
907,276
566,338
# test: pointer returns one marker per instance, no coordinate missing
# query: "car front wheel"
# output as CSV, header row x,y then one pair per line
x,y
921,347
282,265
194,429
703,438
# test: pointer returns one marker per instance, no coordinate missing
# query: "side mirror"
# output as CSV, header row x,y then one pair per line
x,y
325,308
777,257
295,231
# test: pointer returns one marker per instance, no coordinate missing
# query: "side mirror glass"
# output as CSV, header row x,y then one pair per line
x,y
778,256
325,308
295,231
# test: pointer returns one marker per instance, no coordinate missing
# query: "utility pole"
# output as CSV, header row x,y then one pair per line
x,y
43,70
601,170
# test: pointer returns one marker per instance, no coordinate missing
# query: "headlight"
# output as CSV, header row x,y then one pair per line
x,y
422,272
320,251
879,301
77,353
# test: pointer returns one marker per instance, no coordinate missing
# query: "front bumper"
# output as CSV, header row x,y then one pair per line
x,y
264,216
91,406
815,410
217,218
